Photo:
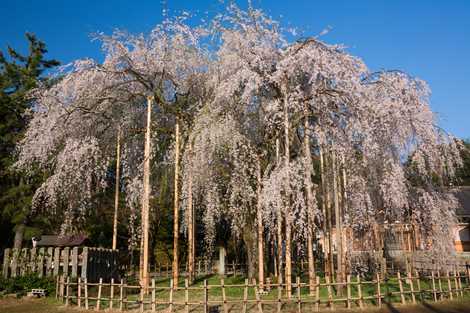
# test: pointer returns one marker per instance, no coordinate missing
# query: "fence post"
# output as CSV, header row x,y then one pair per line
x,y
79,292
400,285
457,289
413,297
330,295
65,262
154,305
86,293
460,283
6,262
379,294
32,260
359,292
441,294
245,296
433,286
418,282
57,284
299,303
62,285
257,296
171,295
186,296
56,261
111,294
279,297
14,262
224,299
449,286
317,294
121,294
142,294
49,257
85,262
67,291
74,262
206,296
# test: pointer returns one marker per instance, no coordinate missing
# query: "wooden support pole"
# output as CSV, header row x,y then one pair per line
x,y
98,301
176,208
116,187
288,217
348,286
260,228
259,305
144,271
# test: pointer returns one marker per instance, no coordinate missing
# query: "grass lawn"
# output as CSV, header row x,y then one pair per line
x,y
28,305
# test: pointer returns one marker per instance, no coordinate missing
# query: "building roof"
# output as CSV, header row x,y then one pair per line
x,y
463,195
62,241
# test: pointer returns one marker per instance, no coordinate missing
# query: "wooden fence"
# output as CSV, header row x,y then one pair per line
x,y
204,295
202,267
90,263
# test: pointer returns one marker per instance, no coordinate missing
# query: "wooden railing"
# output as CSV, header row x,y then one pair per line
x,y
353,292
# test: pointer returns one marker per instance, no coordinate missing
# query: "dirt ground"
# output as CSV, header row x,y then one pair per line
x,y
28,305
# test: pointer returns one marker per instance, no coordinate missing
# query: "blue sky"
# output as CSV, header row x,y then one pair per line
x,y
428,39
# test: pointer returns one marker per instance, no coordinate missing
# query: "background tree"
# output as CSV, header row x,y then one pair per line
x,y
19,74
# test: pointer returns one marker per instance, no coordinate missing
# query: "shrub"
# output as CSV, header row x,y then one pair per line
x,y
23,284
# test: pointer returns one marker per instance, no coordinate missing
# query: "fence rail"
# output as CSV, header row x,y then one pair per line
x,y
202,296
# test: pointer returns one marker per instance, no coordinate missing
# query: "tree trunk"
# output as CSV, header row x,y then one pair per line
x,y
250,251
19,234
116,191
260,226
176,206
287,214
191,245
310,221
145,200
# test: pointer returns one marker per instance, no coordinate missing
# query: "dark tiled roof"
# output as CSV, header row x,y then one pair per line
x,y
62,241
463,195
